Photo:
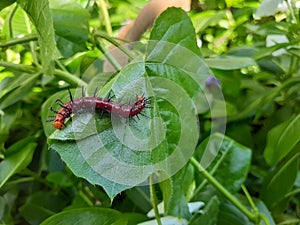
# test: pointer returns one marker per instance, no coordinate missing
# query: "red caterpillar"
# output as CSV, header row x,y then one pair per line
x,y
89,104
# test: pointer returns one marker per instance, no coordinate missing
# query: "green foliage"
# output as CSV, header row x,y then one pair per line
x,y
221,150
39,13
221,160
70,22
18,157
281,140
88,216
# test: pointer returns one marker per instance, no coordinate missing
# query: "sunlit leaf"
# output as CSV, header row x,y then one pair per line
x,y
20,156
207,18
174,26
17,89
40,15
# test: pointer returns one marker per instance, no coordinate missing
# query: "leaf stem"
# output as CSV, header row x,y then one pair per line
x,y
249,198
255,210
227,194
154,200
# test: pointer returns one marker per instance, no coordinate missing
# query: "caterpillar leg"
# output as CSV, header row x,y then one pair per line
x,y
144,115
83,91
110,96
96,92
70,94
101,114
60,103
50,120
53,110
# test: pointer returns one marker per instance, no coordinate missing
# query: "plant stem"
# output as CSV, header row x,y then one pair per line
x,y
103,7
154,200
85,198
115,43
226,193
17,67
16,41
71,79
264,218
109,57
293,192
214,169
66,76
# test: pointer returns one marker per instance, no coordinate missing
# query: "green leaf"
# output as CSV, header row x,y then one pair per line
x,y
129,151
226,160
135,218
235,3
5,3
230,215
17,24
40,15
17,89
174,26
91,216
60,179
230,62
262,208
209,214
231,85
281,140
7,118
139,196
280,182
162,142
41,205
71,155
5,216
207,18
267,51
174,192
71,27
20,155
